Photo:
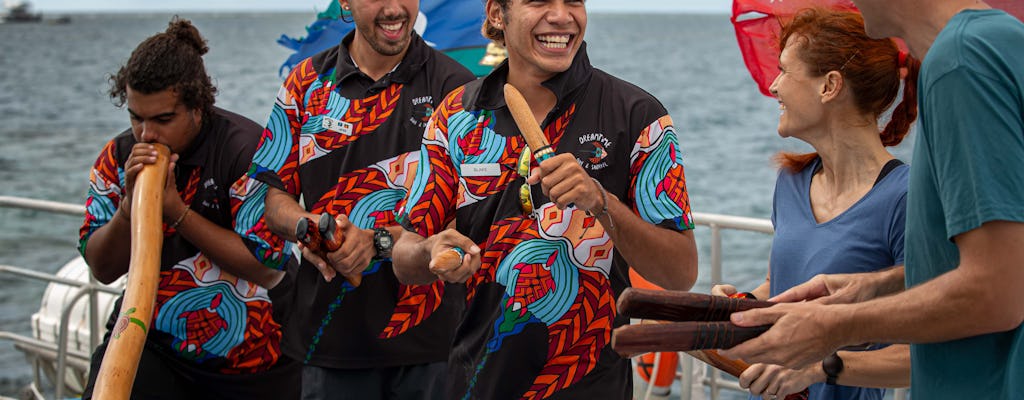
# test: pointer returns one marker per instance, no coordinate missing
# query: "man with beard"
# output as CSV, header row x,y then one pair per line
x,y
340,137
547,252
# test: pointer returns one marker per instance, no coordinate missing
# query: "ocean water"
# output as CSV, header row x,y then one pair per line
x,y
55,116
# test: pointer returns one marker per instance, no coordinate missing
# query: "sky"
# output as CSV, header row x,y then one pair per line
x,y
701,6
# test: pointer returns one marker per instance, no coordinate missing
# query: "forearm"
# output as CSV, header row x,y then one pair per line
x,y
885,368
957,304
890,281
281,212
411,259
108,251
662,256
226,249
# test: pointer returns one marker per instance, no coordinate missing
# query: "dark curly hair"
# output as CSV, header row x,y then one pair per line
x,y
172,59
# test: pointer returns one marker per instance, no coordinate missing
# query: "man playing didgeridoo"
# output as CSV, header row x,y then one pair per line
x,y
215,332
965,220
546,244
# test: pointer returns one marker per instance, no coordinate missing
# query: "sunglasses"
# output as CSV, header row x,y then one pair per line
x,y
525,191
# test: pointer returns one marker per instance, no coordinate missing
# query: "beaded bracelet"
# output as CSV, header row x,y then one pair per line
x,y
604,206
181,218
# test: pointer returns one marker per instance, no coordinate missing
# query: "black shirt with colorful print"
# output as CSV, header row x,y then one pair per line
x,y
348,145
205,316
541,309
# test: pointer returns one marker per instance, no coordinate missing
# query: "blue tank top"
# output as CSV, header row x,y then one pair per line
x,y
866,237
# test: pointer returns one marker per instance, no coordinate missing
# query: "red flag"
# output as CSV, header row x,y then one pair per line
x,y
758,23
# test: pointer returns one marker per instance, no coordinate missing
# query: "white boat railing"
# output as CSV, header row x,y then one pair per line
x,y
89,290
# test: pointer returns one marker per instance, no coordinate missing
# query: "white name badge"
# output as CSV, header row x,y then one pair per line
x,y
335,125
492,169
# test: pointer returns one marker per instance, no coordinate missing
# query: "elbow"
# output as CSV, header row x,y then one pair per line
x,y
1006,321
104,277
686,267
1004,311
688,273
270,278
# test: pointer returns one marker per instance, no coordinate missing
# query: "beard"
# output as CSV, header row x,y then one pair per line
x,y
381,44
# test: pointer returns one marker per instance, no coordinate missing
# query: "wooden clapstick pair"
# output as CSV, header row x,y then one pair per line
x,y
705,327
322,237
705,321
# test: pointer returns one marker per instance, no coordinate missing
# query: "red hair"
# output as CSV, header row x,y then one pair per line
x,y
871,68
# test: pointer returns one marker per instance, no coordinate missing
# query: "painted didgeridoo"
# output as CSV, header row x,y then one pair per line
x,y
121,359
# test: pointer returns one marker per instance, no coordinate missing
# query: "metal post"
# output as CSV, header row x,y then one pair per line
x,y
62,340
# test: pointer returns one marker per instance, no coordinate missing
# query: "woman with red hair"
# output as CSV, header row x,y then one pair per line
x,y
841,208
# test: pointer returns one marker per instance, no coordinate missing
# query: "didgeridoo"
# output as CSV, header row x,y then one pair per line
x,y
121,359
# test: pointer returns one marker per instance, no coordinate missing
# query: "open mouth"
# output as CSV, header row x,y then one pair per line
x,y
554,41
391,29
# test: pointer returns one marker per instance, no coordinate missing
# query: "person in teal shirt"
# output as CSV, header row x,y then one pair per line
x,y
965,220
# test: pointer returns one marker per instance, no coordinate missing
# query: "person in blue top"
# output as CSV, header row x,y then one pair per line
x,y
965,207
840,209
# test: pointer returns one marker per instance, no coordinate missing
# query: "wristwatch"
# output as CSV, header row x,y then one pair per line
x,y
833,366
383,242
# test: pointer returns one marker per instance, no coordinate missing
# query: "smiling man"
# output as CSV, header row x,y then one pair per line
x,y
342,136
546,257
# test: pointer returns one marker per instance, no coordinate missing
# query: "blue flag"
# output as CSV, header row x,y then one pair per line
x,y
452,26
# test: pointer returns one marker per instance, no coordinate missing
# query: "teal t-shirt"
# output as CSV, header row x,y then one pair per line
x,y
968,169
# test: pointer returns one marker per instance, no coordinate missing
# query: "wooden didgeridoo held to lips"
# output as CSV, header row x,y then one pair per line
x,y
121,359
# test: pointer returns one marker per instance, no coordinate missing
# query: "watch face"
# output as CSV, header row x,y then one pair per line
x,y
385,241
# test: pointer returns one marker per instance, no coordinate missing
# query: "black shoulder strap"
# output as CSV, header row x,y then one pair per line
x,y
887,168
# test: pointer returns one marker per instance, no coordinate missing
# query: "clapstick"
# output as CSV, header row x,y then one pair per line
x,y
448,260
330,232
630,340
674,305
322,237
527,124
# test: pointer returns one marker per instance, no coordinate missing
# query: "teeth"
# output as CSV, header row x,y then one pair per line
x,y
554,38
391,27
554,41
